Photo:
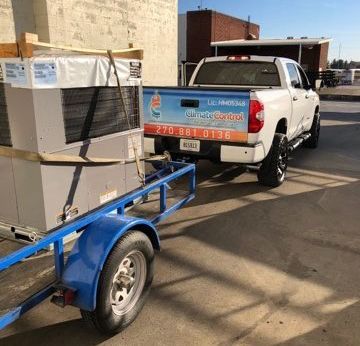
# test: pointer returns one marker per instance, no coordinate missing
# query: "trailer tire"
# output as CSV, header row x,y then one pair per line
x,y
124,284
313,141
273,169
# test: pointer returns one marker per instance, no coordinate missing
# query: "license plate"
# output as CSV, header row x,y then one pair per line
x,y
190,145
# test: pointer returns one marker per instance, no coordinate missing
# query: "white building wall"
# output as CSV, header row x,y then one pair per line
x,y
104,24
7,29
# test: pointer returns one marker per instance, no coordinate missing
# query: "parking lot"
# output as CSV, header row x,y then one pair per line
x,y
249,265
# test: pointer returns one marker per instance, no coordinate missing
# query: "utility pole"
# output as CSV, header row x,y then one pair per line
x,y
200,7
339,50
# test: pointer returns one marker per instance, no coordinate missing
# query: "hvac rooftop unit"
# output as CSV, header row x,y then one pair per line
x,y
66,105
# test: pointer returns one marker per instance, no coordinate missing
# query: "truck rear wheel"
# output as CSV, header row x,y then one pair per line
x,y
124,284
273,169
313,141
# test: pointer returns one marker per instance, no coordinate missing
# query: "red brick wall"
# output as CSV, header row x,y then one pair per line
x,y
230,28
324,52
198,36
203,27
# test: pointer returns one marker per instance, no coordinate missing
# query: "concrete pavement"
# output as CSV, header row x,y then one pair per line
x,y
248,265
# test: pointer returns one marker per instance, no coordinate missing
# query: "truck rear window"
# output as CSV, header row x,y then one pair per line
x,y
250,73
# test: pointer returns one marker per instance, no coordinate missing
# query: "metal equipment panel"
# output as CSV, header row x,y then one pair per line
x,y
97,111
7,192
5,136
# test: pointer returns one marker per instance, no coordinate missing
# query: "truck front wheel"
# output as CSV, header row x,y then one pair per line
x,y
273,169
124,284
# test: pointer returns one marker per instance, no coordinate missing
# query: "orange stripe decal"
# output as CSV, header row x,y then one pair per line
x,y
195,132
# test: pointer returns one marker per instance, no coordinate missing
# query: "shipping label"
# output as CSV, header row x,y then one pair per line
x,y
15,73
108,196
44,73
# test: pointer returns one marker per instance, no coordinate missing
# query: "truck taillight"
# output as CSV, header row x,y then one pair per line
x,y
256,116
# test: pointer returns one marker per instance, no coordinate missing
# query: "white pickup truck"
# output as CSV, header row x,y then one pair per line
x,y
252,110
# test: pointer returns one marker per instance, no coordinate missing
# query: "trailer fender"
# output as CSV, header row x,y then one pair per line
x,y
86,260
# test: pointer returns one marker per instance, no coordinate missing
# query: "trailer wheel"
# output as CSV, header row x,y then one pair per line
x,y
124,284
313,141
273,169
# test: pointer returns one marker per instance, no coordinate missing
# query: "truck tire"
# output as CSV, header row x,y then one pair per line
x,y
313,141
273,169
124,284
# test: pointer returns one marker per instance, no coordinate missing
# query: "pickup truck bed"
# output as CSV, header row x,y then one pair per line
x,y
210,123
196,113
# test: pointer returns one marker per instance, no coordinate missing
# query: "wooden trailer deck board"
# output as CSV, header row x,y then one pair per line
x,y
29,44
24,279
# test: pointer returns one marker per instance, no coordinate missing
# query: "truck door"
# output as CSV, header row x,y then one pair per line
x,y
309,99
299,102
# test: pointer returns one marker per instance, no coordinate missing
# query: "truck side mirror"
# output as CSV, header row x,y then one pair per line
x,y
295,84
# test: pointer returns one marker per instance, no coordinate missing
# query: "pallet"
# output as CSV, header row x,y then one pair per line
x,y
29,44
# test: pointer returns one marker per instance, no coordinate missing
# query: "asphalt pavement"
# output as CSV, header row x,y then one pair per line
x,y
244,264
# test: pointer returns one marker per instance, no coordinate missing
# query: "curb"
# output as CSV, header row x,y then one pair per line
x,y
332,97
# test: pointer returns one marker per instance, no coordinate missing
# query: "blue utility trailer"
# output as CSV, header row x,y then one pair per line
x,y
109,270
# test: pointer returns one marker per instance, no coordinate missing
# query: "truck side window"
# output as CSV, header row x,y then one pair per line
x,y
304,80
294,77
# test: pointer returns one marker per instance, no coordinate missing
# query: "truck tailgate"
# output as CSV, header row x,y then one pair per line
x,y
211,114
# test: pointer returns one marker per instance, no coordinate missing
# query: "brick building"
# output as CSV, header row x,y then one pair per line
x,y
103,24
204,27
208,33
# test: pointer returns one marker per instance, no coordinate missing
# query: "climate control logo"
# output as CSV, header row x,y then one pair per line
x,y
155,105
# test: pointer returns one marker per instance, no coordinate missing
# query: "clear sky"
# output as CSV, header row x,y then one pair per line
x,y
338,19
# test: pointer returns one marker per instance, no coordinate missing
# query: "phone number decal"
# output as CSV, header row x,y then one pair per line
x,y
194,132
